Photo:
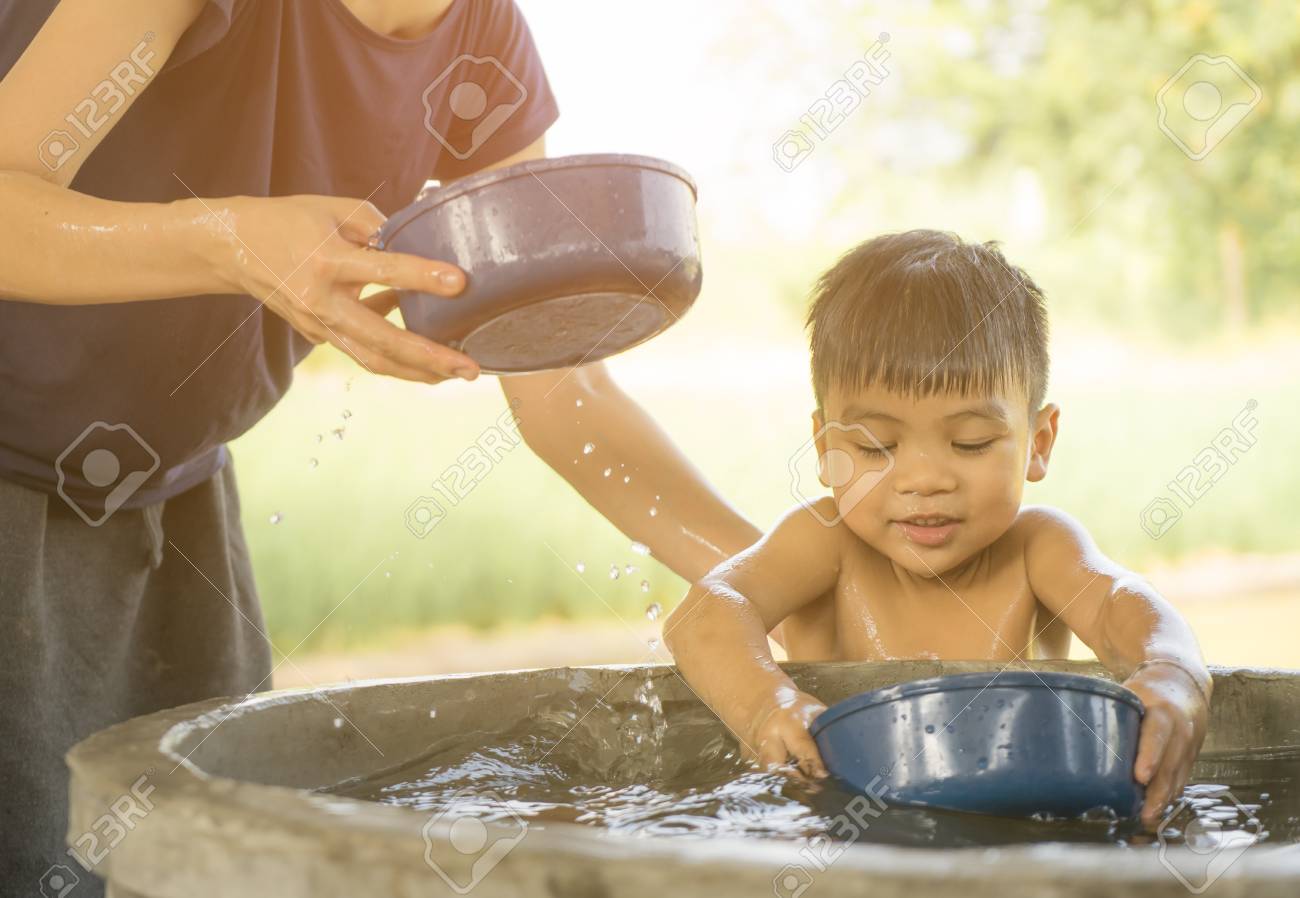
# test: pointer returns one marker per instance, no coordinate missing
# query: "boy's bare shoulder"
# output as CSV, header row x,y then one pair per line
x,y
1041,518
816,522
1040,527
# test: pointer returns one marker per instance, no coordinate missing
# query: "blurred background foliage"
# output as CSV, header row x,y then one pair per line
x,y
1171,284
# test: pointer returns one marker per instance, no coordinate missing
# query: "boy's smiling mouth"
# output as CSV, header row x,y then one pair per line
x,y
927,530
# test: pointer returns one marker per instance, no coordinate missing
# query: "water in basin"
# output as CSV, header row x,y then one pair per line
x,y
669,769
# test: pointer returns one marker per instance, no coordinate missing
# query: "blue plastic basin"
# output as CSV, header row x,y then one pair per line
x,y
1014,743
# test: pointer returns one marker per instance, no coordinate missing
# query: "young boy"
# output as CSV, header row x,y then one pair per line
x,y
929,363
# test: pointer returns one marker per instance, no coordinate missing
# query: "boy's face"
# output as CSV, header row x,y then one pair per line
x,y
943,476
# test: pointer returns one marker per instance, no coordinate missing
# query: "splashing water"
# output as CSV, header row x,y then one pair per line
x,y
588,448
653,610
613,572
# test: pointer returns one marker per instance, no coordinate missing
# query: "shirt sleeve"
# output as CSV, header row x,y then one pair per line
x,y
211,26
499,97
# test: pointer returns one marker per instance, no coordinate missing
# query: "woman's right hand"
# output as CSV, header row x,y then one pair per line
x,y
306,259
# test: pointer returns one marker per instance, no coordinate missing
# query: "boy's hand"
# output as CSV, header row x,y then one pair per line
x,y
1173,729
780,732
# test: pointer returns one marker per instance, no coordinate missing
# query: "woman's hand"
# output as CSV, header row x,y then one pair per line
x,y
1173,729
305,258
780,732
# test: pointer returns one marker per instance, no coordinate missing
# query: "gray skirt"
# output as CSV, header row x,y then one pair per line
x,y
154,608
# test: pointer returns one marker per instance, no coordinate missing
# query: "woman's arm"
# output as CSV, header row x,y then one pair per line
x,y
303,256
1126,623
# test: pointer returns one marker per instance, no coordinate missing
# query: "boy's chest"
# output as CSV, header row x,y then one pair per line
x,y
988,615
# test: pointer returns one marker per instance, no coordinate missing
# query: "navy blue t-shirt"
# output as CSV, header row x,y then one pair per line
x,y
259,98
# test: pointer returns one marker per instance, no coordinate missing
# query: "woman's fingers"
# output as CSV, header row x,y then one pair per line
x,y
401,270
378,364
362,326
358,220
381,303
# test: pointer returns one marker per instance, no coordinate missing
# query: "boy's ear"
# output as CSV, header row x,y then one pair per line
x,y
1042,437
819,440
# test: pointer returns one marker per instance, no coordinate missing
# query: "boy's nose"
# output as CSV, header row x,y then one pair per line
x,y
921,473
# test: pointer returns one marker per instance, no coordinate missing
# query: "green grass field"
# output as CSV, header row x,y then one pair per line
x,y
341,569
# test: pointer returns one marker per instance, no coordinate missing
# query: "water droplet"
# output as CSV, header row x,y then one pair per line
x,y
652,611
388,573
609,471
433,712
645,585
653,643
656,497
613,572
627,479
338,723
653,511
588,448
276,518
338,433
640,548
347,384
580,567
929,728
982,763
347,413
312,463
578,403
320,437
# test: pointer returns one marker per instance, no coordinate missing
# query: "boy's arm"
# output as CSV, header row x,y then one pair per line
x,y
666,503
718,637
1126,623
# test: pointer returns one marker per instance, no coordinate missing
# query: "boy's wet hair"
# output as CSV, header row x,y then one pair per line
x,y
921,313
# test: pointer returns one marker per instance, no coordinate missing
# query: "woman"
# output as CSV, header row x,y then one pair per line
x,y
188,189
